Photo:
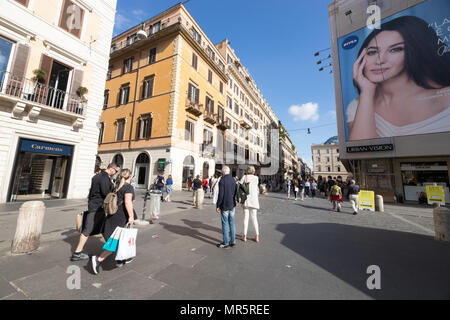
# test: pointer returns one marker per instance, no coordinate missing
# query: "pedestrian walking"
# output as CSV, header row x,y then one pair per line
x,y
196,184
205,185
226,205
159,183
313,188
251,205
125,215
329,184
353,195
336,197
169,184
215,187
296,188
301,188
307,188
101,185
189,182
288,187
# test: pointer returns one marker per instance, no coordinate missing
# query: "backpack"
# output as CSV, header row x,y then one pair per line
x,y
110,204
335,190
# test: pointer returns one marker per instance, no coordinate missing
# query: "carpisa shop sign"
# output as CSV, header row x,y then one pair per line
x,y
372,148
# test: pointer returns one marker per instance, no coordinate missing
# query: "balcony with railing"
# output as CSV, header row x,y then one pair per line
x,y
36,94
221,124
194,108
207,150
208,116
246,123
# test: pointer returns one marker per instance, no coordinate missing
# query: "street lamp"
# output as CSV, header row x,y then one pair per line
x,y
317,53
320,61
327,66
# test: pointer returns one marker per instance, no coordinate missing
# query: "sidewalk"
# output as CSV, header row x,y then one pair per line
x,y
60,216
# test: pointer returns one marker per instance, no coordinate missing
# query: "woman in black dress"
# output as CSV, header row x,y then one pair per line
x,y
125,214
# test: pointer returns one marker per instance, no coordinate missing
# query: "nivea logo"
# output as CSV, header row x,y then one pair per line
x,y
350,42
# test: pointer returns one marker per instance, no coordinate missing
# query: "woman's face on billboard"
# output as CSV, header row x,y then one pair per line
x,y
385,58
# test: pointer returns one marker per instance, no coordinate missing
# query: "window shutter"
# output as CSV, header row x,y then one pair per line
x,y
77,79
197,95
149,132
119,97
138,129
20,60
64,15
46,65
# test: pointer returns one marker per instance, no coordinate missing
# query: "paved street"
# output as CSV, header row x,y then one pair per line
x,y
305,252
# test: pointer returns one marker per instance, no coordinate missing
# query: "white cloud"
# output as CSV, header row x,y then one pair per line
x,y
138,12
307,111
121,21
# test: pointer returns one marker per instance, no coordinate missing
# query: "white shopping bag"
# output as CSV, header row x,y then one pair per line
x,y
127,244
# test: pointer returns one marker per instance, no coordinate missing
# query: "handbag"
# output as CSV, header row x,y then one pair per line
x,y
127,243
113,241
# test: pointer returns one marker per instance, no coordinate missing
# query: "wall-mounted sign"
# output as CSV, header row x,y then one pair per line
x,y
371,148
45,147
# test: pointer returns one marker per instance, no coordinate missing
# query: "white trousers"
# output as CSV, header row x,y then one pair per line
x,y
354,201
253,213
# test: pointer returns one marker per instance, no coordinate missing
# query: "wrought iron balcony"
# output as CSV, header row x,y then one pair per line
x,y
37,94
194,108
208,117
221,123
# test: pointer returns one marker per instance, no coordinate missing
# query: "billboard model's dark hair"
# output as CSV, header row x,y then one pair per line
x,y
423,63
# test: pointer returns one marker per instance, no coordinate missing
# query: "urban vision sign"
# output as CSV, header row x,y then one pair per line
x,y
372,148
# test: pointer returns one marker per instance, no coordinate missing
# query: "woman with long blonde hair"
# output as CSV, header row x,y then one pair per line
x,y
125,215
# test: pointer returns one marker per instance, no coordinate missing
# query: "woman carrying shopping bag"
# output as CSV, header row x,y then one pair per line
x,y
125,215
251,205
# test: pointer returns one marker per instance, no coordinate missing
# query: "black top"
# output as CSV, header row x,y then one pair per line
x,y
353,189
197,184
120,218
101,185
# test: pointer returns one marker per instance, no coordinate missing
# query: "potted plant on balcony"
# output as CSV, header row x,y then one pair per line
x,y
38,94
39,75
81,91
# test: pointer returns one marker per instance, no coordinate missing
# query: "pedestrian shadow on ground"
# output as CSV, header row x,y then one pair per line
x,y
324,209
201,225
93,245
191,232
412,266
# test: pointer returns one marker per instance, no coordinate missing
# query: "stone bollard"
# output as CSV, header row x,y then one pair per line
x,y
379,203
199,198
29,227
441,217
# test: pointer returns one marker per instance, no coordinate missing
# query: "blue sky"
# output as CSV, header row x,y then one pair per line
x,y
276,41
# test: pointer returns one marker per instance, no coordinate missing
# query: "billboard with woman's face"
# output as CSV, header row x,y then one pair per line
x,y
395,80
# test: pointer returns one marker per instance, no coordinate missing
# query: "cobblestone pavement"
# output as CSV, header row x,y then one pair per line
x,y
306,252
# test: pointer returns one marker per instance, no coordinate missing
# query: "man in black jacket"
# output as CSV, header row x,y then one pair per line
x,y
225,206
101,185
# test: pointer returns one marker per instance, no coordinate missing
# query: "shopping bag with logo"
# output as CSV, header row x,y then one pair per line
x,y
127,243
113,241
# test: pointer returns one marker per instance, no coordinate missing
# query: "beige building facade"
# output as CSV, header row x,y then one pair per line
x,y
326,161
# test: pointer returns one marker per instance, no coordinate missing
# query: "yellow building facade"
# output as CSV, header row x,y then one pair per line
x,y
165,100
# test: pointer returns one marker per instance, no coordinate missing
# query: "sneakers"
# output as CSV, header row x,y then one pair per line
x,y
95,264
120,263
232,245
77,256
129,260
223,246
355,213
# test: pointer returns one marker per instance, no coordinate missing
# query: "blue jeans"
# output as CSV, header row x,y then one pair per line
x,y
227,222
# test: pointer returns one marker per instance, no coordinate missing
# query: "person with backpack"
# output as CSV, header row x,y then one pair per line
x,y
124,215
251,204
353,195
225,206
205,185
101,186
336,197
160,183
329,184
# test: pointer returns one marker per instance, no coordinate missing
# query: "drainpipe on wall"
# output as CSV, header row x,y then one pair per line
x,y
134,104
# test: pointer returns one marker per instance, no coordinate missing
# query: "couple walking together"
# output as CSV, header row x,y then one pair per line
x,y
226,205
